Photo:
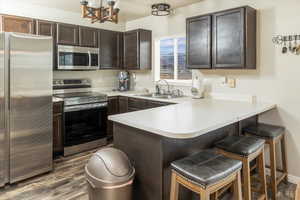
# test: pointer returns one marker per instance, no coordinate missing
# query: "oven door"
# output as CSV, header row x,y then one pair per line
x,y
77,58
85,123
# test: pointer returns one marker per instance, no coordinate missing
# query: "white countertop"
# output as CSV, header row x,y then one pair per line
x,y
190,117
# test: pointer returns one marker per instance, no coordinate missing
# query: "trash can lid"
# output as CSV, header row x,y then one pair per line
x,y
109,166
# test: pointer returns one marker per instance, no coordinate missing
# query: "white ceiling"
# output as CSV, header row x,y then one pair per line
x,y
130,9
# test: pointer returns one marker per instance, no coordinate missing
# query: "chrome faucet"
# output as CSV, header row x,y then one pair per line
x,y
158,90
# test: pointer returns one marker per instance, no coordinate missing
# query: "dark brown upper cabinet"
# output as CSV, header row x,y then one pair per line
x,y
111,49
88,37
45,28
222,40
234,38
48,28
198,42
138,49
17,24
67,34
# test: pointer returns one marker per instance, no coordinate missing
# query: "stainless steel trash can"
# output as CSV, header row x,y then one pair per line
x,y
109,174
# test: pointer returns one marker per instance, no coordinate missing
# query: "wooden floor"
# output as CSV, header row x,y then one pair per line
x,y
67,182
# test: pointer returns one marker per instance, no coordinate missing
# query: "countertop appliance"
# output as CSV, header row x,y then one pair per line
x,y
77,58
25,106
197,85
124,81
85,115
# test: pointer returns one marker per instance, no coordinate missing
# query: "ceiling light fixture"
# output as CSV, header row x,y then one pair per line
x,y
161,9
100,10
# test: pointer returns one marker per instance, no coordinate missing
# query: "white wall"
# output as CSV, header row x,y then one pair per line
x,y
100,79
277,76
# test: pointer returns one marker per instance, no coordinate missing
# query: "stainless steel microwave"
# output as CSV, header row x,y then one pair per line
x,y
77,58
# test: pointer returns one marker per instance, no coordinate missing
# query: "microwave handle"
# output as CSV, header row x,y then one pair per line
x,y
90,59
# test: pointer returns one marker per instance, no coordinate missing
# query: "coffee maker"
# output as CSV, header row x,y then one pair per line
x,y
124,81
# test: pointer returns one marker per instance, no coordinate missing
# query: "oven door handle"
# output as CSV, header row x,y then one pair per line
x,y
90,59
85,107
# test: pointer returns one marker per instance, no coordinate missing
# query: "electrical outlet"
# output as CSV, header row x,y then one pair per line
x,y
223,81
231,82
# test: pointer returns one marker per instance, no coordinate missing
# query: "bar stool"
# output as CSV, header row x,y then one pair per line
x,y
273,135
246,149
205,173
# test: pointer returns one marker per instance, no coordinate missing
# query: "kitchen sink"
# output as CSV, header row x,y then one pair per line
x,y
159,96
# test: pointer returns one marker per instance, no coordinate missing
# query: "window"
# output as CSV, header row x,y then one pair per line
x,y
172,59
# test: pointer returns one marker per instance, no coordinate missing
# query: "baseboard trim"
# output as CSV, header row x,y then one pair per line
x,y
294,179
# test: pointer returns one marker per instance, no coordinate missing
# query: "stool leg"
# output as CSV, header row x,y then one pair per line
x,y
214,196
246,179
283,157
174,187
237,187
273,168
262,173
204,195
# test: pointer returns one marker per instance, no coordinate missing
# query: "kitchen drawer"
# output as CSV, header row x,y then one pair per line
x,y
137,104
131,109
155,104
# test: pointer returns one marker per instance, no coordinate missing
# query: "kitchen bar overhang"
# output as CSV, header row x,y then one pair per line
x,y
155,137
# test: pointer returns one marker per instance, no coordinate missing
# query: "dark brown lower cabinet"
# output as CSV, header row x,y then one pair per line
x,y
123,104
155,104
135,104
58,145
113,108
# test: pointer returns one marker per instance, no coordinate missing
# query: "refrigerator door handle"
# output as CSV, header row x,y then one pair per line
x,y
90,59
3,149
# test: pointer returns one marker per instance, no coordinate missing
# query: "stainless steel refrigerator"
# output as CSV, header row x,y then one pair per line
x,y
25,106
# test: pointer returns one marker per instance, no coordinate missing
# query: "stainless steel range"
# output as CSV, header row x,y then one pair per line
x,y
85,115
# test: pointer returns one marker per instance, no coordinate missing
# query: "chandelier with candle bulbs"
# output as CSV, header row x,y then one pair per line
x,y
100,10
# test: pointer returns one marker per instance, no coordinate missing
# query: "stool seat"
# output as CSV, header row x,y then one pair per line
x,y
273,135
264,130
206,168
240,145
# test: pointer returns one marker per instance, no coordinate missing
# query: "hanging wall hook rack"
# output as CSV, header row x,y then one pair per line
x,y
290,43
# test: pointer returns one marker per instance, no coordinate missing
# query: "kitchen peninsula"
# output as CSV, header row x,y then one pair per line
x,y
154,138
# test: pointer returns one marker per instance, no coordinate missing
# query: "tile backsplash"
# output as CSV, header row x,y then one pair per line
x,y
105,79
